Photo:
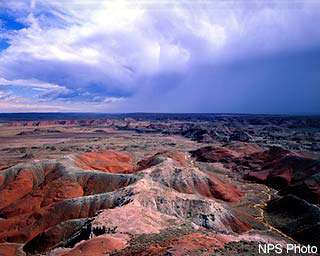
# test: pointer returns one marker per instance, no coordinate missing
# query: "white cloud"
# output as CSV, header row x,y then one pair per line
x,y
7,97
33,83
13,103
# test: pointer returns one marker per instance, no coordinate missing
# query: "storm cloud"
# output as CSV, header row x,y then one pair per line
x,y
174,56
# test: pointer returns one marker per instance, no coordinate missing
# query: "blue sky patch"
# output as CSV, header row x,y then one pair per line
x,y
3,44
9,22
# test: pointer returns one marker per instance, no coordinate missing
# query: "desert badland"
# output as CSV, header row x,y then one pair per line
x,y
157,184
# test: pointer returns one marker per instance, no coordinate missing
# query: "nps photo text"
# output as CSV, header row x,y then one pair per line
x,y
288,248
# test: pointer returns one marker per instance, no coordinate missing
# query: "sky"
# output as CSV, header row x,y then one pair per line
x,y
225,56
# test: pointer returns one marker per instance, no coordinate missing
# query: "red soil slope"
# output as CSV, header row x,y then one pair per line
x,y
107,161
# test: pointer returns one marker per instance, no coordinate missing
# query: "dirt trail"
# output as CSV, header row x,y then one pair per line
x,y
261,209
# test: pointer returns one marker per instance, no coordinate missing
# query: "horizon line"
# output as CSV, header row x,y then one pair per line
x,y
166,113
